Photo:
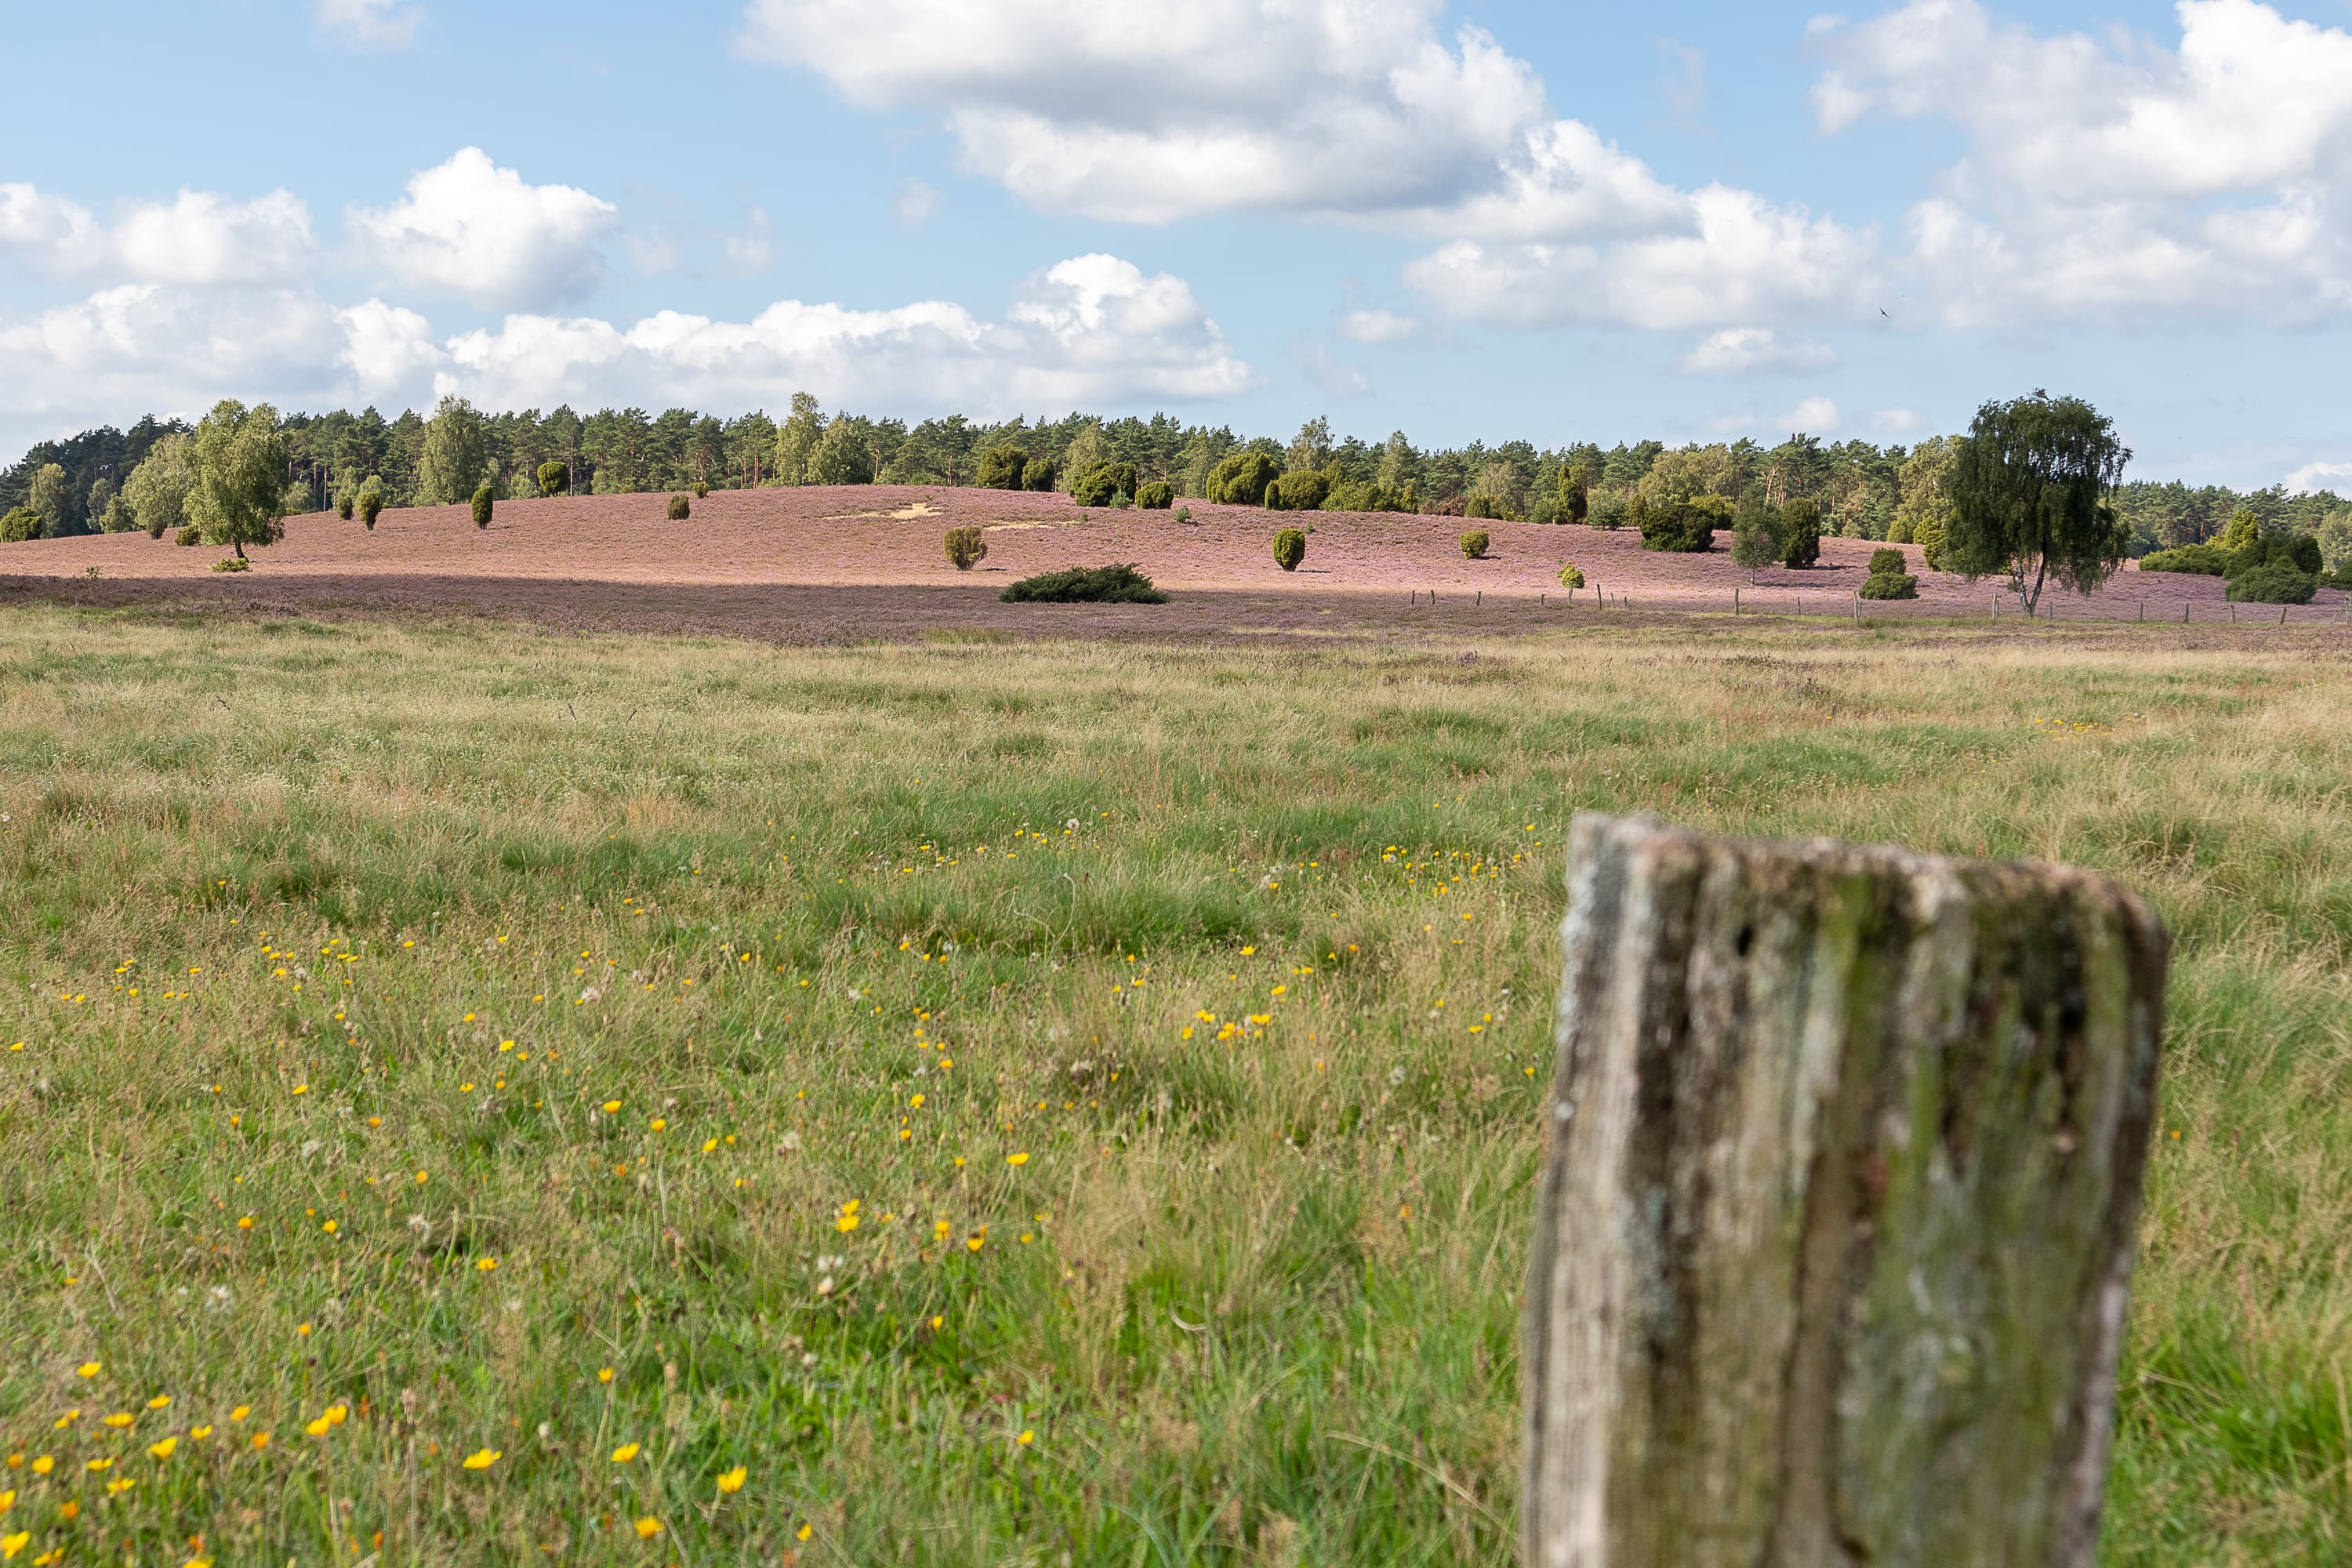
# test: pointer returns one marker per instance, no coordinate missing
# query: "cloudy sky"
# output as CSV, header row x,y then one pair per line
x,y
1493,219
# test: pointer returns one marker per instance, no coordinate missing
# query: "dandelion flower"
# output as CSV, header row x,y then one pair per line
x,y
104,1462
12,1544
162,1450
119,1485
320,1427
260,1441
240,1413
486,1264
68,1418
480,1459
244,1223
604,1374
731,1481
44,1464
1027,1438
612,1108
804,1533
119,1419
647,1528
200,1433
624,1453
160,1401
88,1369
1016,1158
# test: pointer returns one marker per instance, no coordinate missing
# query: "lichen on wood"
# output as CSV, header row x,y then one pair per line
x,y
1834,1225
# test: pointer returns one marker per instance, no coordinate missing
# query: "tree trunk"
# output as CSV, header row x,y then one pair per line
x,y
1835,1222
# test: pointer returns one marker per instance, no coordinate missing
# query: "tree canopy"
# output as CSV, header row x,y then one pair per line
x,y
2030,490
237,465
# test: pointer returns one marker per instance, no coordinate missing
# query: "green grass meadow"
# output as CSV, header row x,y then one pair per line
x,y
993,1102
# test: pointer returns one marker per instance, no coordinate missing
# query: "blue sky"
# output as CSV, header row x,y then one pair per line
x,y
1500,219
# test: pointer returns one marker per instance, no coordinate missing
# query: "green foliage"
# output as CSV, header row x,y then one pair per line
x,y
1085,585
1755,544
1902,530
2030,489
1100,485
2200,560
1800,531
1155,495
1290,549
1184,515
1301,489
1571,576
1885,560
189,535
554,479
53,499
482,506
1931,539
1890,585
680,509
158,487
842,455
1685,525
1000,467
1473,544
1609,512
966,547
237,498
1575,492
346,502
369,500
232,563
1483,506
2274,581
701,489
21,524
1037,474
1349,495
796,441
118,518
2244,530
1241,479
455,458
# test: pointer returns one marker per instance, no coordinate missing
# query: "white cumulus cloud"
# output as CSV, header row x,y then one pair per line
x,y
473,229
197,238
2333,477
2112,176
1737,350
1375,326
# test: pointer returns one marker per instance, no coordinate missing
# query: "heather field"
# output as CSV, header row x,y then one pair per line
x,y
816,564
473,1093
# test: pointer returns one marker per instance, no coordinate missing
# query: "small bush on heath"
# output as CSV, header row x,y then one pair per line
x,y
1155,495
1890,585
1571,576
966,546
21,524
232,563
701,489
1037,474
482,507
1001,467
679,509
1085,585
1290,549
1473,544
370,501
554,478
1884,561
191,534
2275,581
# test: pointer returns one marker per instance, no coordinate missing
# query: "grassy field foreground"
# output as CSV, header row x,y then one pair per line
x,y
471,1096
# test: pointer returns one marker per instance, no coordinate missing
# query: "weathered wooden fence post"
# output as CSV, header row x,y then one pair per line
x,y
1835,1220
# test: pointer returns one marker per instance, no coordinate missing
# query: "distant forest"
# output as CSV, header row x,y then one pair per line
x,y
1862,490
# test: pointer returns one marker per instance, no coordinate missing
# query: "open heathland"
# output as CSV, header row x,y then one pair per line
x,y
480,1099
785,564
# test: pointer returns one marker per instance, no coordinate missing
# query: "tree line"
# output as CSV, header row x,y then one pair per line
x,y
1859,489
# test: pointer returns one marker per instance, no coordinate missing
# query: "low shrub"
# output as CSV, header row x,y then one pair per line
x,y
1685,527
370,501
482,507
701,489
1890,585
1001,467
1608,512
1571,576
232,563
191,534
1037,474
1155,495
2200,560
1303,490
1931,538
1184,516
554,478
1103,484
2274,583
1473,544
1901,532
679,509
1349,496
1290,549
1486,506
21,524
1241,478
1801,532
1887,563
345,504
1085,585
966,547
